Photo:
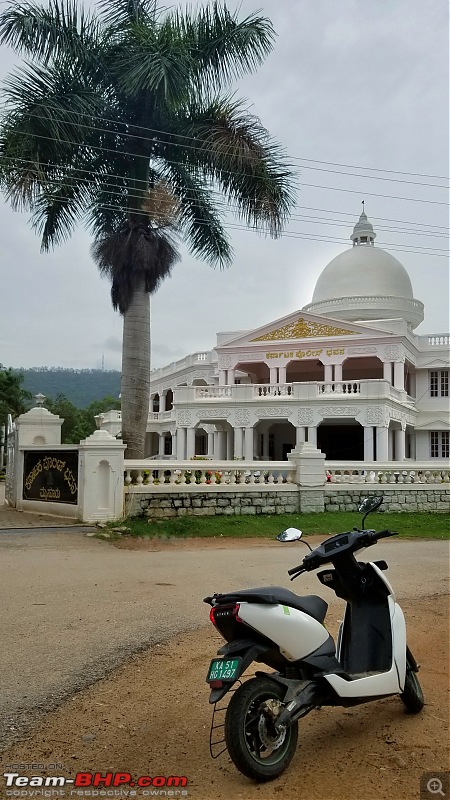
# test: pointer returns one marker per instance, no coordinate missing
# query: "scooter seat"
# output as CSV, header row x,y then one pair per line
x,y
310,604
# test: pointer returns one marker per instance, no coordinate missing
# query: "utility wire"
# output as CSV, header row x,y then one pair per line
x,y
399,247
349,221
302,217
293,158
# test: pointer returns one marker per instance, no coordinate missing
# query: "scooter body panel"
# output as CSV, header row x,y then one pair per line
x,y
297,634
378,684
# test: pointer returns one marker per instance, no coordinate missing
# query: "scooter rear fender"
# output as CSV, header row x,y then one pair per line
x,y
249,651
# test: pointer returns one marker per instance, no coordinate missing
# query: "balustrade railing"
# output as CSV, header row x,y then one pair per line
x,y
377,473
339,387
272,389
206,392
176,475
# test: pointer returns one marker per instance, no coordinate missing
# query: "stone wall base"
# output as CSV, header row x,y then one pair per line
x,y
209,503
198,504
395,499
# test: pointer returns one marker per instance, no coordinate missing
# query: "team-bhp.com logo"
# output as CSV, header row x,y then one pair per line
x,y
95,784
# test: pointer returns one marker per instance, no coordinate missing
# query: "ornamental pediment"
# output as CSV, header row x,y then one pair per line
x,y
301,326
302,329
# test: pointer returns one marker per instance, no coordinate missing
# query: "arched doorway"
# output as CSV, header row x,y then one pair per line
x,y
363,368
341,440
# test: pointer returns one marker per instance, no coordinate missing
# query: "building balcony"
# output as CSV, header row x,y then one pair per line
x,y
376,389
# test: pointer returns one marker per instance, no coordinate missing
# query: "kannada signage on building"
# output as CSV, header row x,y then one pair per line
x,y
51,476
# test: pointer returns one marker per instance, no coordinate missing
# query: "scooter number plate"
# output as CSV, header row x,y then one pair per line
x,y
223,669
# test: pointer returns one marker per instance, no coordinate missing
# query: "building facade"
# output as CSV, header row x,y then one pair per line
x,y
346,373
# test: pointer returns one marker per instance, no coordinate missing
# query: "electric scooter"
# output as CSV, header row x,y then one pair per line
x,y
273,626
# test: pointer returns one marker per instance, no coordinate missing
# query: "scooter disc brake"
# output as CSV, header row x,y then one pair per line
x,y
271,741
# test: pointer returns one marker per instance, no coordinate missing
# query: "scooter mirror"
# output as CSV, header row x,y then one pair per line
x,y
370,504
289,535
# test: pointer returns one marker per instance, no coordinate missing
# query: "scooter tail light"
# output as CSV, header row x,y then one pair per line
x,y
232,611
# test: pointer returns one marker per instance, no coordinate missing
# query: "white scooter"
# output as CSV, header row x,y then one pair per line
x,y
285,631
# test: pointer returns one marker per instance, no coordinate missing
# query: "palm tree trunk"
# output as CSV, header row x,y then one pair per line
x,y
136,372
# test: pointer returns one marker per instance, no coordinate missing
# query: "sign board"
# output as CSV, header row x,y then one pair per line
x,y
51,476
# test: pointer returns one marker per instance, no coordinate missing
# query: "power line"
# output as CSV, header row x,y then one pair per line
x,y
293,158
231,172
398,247
291,235
220,202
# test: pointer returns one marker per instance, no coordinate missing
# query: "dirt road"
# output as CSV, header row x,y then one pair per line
x,y
74,608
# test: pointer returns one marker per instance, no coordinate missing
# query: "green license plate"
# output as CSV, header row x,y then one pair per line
x,y
223,669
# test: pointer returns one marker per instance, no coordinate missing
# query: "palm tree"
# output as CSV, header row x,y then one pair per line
x,y
119,119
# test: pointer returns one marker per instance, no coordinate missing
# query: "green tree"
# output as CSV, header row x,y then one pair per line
x,y
123,119
14,399
78,422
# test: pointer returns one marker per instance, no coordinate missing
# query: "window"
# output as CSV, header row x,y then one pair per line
x,y
439,444
439,383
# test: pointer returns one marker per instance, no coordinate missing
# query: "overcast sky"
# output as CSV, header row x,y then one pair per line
x,y
355,83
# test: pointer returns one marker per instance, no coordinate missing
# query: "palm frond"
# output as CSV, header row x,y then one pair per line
x,y
154,58
121,13
235,150
198,216
224,47
61,28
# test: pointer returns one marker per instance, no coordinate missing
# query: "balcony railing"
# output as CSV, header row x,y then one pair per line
x,y
367,389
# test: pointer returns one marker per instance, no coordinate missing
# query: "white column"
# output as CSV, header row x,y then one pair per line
x,y
222,377
229,444
161,444
190,443
273,375
300,435
312,436
368,444
162,402
282,375
238,442
399,444
382,443
248,444
338,372
328,373
221,451
230,378
181,444
387,371
210,451
174,444
399,375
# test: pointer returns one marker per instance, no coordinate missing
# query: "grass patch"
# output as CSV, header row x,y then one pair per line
x,y
416,524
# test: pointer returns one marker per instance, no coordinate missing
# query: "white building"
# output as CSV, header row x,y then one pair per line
x,y
346,373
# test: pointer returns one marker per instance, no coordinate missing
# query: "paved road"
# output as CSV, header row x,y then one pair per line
x,y
73,607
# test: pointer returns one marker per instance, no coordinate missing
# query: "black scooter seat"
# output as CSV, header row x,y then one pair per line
x,y
310,604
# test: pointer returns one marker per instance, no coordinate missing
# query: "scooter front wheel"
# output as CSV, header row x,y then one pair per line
x,y
256,748
412,695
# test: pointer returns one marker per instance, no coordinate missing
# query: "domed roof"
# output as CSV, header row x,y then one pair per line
x,y
364,271
365,282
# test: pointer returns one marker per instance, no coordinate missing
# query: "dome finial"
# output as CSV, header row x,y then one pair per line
x,y
363,232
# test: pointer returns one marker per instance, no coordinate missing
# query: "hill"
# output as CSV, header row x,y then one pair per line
x,y
80,386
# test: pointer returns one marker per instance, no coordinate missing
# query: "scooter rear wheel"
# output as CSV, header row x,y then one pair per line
x,y
254,745
412,695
